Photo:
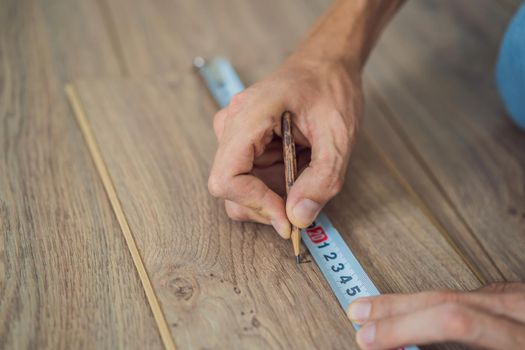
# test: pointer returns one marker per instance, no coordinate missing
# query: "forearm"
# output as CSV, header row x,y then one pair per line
x,y
348,31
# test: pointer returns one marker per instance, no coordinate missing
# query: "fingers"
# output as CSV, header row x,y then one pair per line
x,y
442,323
241,213
238,212
246,149
241,140
491,317
272,174
255,202
323,178
370,309
273,153
510,304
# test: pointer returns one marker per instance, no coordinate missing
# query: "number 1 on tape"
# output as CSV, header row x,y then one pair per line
x,y
344,274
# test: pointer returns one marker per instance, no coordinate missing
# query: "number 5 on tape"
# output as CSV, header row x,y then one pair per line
x,y
344,274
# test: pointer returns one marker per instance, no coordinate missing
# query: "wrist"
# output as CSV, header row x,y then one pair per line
x,y
346,67
347,32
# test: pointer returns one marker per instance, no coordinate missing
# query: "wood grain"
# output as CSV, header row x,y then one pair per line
x,y
455,52
439,100
224,284
89,137
163,37
66,277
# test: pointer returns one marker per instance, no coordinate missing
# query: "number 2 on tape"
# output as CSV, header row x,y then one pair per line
x,y
339,266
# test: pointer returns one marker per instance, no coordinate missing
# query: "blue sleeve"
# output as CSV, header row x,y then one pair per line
x,y
510,69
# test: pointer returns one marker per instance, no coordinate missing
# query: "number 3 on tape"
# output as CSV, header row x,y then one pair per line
x,y
340,267
343,272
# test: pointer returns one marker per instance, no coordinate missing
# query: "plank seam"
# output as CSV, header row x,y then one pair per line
x,y
424,208
111,192
398,129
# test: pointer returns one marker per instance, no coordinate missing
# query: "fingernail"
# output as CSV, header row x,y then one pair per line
x,y
306,211
359,311
366,335
282,228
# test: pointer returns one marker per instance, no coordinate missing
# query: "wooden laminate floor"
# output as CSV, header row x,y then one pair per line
x,y
108,237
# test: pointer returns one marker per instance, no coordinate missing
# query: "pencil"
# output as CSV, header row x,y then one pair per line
x,y
290,172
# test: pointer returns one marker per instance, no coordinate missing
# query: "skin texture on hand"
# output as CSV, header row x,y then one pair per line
x,y
326,102
320,84
492,317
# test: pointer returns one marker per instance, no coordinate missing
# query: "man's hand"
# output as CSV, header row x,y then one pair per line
x,y
320,84
326,103
492,317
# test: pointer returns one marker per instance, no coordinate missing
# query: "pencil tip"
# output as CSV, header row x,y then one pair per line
x,y
297,259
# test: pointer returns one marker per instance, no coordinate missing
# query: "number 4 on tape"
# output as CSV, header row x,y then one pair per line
x,y
344,274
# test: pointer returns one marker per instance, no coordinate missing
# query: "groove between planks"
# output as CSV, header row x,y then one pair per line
x,y
424,208
419,158
103,172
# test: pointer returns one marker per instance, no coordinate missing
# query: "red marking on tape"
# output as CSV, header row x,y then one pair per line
x,y
317,234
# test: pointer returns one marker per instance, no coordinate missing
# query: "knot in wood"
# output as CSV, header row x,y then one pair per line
x,y
181,288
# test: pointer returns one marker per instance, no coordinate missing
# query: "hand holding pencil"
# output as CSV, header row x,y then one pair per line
x,y
326,103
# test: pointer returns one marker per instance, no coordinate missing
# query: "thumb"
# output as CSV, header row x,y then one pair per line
x,y
322,179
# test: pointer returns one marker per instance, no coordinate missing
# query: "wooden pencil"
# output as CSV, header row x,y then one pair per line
x,y
290,172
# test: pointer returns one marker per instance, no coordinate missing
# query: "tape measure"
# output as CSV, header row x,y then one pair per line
x,y
344,274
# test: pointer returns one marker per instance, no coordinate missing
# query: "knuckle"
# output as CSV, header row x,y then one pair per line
x,y
237,100
217,186
235,213
456,322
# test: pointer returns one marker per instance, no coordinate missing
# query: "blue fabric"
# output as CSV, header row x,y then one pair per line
x,y
510,69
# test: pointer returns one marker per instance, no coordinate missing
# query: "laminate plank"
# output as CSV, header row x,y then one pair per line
x,y
434,89
163,37
80,39
224,284
66,277
284,26
425,189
